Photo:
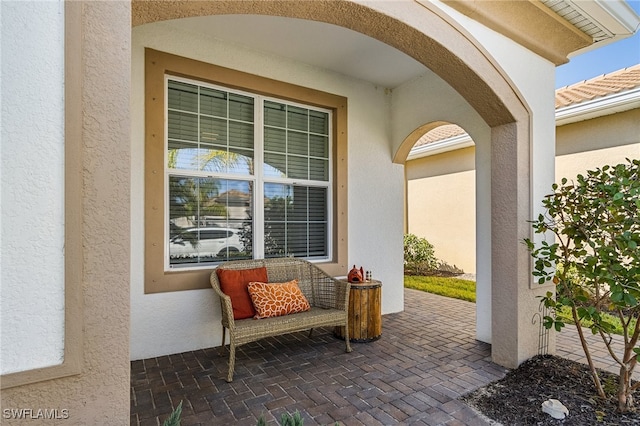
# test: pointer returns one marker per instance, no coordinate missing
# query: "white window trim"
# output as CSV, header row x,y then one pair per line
x,y
257,178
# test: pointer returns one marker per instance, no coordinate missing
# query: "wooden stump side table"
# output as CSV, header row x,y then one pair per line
x,y
365,313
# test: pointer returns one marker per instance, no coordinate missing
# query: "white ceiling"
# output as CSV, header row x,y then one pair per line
x,y
322,45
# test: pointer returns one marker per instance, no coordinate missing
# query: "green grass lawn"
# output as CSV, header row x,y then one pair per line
x,y
444,286
565,314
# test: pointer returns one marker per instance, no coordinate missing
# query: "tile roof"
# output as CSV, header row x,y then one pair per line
x,y
597,87
603,85
440,133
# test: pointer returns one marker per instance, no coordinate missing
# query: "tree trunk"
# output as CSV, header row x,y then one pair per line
x,y
587,353
627,365
625,394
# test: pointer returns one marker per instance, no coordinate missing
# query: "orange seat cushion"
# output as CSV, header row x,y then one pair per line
x,y
234,284
277,299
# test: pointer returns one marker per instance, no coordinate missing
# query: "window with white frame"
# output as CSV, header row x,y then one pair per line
x,y
247,176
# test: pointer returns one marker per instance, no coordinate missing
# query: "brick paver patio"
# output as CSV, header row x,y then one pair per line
x,y
426,358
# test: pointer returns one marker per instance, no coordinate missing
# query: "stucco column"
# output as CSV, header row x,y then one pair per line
x,y
514,301
483,238
97,394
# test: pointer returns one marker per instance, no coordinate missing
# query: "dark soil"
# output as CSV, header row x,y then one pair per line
x,y
517,399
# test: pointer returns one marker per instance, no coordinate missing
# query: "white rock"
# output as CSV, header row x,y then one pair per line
x,y
555,409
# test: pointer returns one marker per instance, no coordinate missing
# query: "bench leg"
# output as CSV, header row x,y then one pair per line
x,y
232,360
310,332
346,339
224,338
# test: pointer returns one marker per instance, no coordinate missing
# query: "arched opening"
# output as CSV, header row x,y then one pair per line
x,y
463,71
447,202
441,196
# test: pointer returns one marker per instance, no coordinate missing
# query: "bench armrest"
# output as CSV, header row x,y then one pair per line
x,y
328,291
225,302
342,295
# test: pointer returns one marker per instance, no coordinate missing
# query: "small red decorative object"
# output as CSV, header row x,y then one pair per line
x,y
356,275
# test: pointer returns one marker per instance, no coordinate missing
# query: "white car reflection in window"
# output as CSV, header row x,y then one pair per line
x,y
205,242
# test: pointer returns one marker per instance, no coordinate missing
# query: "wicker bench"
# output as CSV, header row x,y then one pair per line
x,y
328,297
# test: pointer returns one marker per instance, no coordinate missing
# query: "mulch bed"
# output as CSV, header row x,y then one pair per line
x,y
517,398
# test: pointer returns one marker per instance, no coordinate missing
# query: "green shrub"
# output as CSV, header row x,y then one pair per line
x,y
594,261
419,255
292,420
174,418
286,419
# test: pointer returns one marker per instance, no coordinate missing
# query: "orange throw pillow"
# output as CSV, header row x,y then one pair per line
x,y
277,299
234,284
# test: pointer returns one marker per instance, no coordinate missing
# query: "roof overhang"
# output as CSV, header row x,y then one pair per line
x,y
599,107
611,104
554,29
442,146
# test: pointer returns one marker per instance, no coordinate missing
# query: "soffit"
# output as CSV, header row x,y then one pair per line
x,y
553,29
319,44
569,12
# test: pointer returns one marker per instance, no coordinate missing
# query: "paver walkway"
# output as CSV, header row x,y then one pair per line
x,y
426,358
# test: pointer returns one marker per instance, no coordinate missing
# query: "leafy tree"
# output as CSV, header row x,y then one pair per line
x,y
419,255
193,198
594,262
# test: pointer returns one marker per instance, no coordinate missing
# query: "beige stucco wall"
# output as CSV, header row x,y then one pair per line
x,y
441,205
593,143
580,146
